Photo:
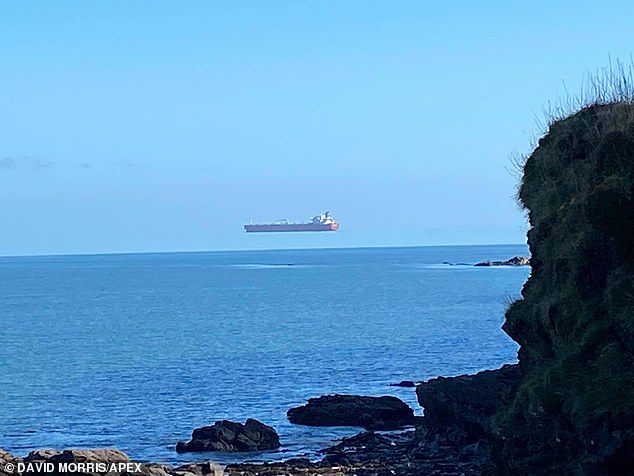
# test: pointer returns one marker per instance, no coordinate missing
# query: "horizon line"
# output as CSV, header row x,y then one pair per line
x,y
233,250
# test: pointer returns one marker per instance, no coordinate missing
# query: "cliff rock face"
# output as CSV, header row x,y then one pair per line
x,y
460,408
574,411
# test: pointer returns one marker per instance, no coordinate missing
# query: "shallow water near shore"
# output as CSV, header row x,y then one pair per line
x,y
135,351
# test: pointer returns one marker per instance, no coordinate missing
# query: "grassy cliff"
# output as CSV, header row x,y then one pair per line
x,y
574,411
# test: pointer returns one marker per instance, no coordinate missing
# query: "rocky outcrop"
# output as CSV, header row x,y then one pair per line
x,y
227,435
375,454
460,409
373,413
514,261
574,410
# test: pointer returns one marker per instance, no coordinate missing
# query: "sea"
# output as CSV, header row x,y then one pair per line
x,y
134,351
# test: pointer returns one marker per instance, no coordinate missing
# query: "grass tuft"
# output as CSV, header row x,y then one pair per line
x,y
610,85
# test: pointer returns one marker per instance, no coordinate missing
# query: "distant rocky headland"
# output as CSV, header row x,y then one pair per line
x,y
566,408
514,261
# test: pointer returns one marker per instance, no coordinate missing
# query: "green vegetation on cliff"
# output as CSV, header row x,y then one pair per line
x,y
574,411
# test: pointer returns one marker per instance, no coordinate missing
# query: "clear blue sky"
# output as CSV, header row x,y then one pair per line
x,y
159,126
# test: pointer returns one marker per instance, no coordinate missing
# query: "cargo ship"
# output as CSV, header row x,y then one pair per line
x,y
321,222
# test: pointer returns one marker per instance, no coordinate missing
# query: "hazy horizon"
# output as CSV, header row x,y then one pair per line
x,y
246,250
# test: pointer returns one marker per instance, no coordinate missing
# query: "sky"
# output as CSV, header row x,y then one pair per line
x,y
165,126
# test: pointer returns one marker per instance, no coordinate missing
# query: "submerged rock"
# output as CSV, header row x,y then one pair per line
x,y
227,435
373,413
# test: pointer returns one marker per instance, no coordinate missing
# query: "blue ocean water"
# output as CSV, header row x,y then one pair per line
x,y
134,351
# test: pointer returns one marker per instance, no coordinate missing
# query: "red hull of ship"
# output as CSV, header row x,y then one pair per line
x,y
286,227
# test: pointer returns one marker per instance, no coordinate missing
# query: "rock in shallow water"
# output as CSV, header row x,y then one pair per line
x,y
227,435
372,413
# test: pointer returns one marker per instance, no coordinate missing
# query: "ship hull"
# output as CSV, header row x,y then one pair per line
x,y
290,227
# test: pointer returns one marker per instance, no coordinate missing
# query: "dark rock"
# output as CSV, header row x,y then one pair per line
x,y
404,454
227,435
404,383
298,462
323,468
374,413
462,407
41,455
514,261
371,445
196,469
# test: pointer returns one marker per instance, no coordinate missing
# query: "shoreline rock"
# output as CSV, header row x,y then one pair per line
x,y
229,436
462,408
451,438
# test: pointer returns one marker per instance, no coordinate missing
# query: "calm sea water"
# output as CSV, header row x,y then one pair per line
x,y
135,351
